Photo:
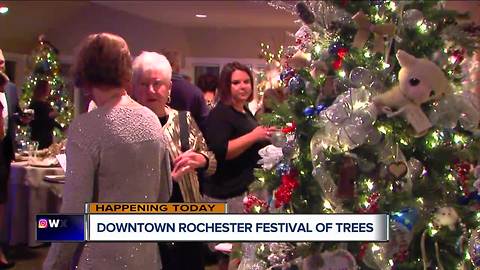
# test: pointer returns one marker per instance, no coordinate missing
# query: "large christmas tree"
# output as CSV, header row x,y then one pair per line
x,y
382,117
44,65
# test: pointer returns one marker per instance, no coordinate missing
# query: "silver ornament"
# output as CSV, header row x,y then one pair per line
x,y
261,265
373,137
288,150
365,166
278,139
474,247
310,89
444,113
378,86
430,26
338,113
361,76
469,115
412,17
415,168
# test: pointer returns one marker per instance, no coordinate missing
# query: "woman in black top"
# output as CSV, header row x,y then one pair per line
x,y
43,121
235,137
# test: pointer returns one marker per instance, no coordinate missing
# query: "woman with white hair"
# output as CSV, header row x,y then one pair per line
x,y
152,84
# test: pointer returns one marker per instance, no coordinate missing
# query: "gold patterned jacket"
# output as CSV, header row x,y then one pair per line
x,y
189,185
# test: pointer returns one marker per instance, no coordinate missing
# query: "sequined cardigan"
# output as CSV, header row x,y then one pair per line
x,y
189,185
114,155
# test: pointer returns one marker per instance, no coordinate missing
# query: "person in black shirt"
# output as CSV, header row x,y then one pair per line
x,y
208,84
43,121
235,137
184,95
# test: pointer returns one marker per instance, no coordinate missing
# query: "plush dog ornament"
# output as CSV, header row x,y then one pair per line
x,y
420,81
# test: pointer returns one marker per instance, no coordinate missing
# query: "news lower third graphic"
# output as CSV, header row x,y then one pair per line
x,y
68,228
205,222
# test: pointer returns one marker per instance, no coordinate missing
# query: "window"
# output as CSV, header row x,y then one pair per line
x,y
206,69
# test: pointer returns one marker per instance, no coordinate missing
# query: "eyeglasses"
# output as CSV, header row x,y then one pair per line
x,y
156,84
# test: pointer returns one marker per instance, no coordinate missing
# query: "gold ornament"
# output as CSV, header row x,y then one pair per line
x,y
299,60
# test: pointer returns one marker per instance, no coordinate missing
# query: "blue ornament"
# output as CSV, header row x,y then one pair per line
x,y
296,84
320,108
377,2
477,197
333,48
282,168
463,200
309,111
407,217
288,72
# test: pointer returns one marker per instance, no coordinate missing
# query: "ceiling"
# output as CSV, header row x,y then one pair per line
x,y
220,14
162,24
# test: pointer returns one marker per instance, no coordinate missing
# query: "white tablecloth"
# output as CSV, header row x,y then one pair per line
x,y
29,195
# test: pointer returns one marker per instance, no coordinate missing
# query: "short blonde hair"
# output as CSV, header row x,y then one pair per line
x,y
151,61
103,60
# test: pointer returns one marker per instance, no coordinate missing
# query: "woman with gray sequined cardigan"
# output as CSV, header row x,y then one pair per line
x,y
115,153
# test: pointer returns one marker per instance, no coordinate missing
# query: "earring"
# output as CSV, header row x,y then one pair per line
x,y
169,98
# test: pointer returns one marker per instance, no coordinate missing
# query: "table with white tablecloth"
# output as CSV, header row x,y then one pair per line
x,y
29,195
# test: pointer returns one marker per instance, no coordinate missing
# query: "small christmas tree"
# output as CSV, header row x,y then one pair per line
x,y
44,65
380,118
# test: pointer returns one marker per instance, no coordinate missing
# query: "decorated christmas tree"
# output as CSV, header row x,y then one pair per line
x,y
382,116
266,79
44,65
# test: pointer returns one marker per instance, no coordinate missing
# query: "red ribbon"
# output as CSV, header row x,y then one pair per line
x,y
341,53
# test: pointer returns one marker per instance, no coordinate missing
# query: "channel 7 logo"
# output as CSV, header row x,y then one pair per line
x,y
52,223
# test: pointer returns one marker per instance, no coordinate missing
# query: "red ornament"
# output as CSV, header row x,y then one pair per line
x,y
347,175
251,201
337,64
373,203
363,250
289,128
458,55
283,195
462,169
341,53
400,257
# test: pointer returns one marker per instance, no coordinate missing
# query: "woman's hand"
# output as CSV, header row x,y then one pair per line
x,y
187,162
239,145
53,114
262,133
178,172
